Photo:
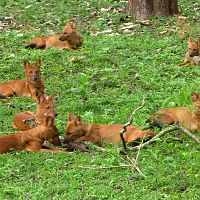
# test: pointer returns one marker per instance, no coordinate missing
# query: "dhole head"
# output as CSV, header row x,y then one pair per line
x,y
196,101
74,129
70,27
50,131
193,48
32,71
45,104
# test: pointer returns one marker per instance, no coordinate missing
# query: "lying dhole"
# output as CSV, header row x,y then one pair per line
x,y
186,116
32,140
78,131
70,39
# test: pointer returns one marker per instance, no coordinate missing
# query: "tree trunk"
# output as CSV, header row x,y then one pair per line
x,y
143,9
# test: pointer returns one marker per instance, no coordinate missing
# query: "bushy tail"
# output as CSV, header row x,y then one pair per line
x,y
35,45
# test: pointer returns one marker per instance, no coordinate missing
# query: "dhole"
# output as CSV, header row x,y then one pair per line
x,y
30,87
71,39
78,131
32,140
186,116
193,54
45,106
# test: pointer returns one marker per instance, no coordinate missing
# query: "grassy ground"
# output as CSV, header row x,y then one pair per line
x,y
103,82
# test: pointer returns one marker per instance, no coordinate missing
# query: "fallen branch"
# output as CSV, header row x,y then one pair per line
x,y
167,130
191,135
129,123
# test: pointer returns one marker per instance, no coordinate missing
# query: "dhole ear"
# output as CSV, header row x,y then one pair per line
x,y
198,42
48,120
74,24
194,96
38,63
40,98
26,64
71,117
48,97
189,40
78,121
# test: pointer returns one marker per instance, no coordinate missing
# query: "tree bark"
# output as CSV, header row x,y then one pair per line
x,y
143,9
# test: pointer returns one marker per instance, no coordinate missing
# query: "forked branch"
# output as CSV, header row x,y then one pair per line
x,y
129,123
167,130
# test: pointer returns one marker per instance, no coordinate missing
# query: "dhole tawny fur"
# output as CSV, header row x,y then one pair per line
x,y
45,106
186,116
78,131
30,87
32,140
69,39
193,53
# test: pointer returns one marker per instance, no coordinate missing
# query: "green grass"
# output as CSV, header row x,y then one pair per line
x,y
103,82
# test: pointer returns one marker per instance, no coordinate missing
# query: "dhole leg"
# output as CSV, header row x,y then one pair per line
x,y
184,62
7,92
139,135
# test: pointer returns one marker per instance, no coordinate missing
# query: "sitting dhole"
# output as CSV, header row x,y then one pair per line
x,y
28,120
30,87
78,131
69,39
32,140
186,116
193,53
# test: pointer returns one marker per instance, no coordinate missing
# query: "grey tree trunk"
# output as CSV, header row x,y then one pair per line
x,y
143,9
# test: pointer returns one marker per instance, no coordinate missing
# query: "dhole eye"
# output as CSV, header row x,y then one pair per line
x,y
30,71
47,107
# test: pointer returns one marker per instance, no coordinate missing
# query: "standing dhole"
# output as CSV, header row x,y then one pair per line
x,y
186,116
193,53
78,131
30,87
28,120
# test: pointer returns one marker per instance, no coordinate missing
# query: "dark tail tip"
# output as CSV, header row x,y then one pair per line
x,y
31,45
152,124
2,97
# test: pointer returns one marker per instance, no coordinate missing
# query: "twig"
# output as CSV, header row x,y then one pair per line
x,y
196,139
99,148
129,123
101,167
134,166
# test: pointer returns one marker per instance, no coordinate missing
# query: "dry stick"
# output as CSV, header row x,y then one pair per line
x,y
101,167
134,166
129,123
167,130
196,139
